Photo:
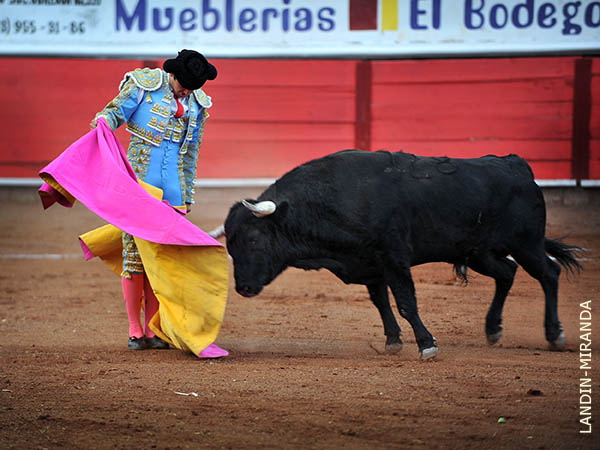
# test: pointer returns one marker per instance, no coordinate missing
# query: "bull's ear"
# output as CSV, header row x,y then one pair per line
x,y
282,209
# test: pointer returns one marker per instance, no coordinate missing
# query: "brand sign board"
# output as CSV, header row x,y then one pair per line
x,y
298,28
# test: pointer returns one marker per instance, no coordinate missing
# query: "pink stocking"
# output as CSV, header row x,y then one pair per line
x,y
133,289
150,307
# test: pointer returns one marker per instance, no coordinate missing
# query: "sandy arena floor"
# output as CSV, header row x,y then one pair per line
x,y
305,370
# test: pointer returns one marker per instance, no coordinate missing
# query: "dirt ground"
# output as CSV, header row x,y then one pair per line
x,y
305,369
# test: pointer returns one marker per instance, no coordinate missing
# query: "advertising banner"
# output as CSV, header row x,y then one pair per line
x,y
298,28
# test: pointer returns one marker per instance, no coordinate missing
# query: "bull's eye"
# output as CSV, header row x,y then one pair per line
x,y
253,239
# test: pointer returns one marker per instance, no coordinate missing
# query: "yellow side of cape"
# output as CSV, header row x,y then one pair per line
x,y
191,286
190,282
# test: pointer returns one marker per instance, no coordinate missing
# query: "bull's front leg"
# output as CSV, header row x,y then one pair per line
x,y
380,298
403,289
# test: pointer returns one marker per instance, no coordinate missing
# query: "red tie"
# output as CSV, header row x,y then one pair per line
x,y
179,112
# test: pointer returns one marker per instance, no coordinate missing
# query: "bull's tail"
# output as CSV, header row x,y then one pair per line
x,y
565,254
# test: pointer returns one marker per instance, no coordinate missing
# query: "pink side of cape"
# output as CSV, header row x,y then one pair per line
x,y
95,171
86,250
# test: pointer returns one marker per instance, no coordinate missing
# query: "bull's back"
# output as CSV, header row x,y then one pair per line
x,y
390,180
442,205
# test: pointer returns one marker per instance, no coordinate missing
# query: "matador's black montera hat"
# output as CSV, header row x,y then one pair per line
x,y
191,69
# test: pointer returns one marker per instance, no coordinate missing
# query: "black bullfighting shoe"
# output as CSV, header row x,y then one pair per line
x,y
156,343
137,343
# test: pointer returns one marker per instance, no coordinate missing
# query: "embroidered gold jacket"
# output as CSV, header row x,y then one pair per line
x,y
144,103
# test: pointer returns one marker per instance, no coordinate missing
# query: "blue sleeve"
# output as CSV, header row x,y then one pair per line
x,y
121,108
190,159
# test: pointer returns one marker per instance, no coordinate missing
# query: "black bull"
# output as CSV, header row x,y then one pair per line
x,y
368,217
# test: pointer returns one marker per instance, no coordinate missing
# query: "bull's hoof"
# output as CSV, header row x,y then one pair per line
x,y
558,343
494,337
392,349
429,353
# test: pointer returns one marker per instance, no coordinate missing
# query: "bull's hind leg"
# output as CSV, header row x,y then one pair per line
x,y
380,298
537,264
502,270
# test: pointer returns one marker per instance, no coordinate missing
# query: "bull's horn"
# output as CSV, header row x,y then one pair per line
x,y
261,209
217,232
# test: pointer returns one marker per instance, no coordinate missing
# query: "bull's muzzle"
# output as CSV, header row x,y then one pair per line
x,y
248,291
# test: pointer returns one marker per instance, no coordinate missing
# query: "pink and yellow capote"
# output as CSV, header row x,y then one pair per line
x,y
187,268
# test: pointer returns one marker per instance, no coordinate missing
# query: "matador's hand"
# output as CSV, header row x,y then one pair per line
x,y
94,123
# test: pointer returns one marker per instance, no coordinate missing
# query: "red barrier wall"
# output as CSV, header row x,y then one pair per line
x,y
469,108
271,115
46,104
595,121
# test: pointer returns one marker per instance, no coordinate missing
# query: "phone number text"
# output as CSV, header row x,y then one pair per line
x,y
23,27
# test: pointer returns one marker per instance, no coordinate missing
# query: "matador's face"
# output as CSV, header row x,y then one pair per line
x,y
178,89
